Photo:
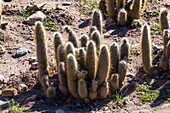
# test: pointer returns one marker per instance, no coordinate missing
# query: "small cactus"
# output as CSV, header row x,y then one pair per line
x,y
97,20
96,37
111,9
168,50
164,19
104,90
82,58
93,90
72,70
120,4
166,38
164,63
122,70
114,58
92,29
61,53
122,17
124,49
91,60
84,40
51,92
57,42
136,9
146,50
44,78
103,69
70,48
114,82
72,36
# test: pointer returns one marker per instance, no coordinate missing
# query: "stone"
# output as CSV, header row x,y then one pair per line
x,y
155,48
66,3
60,111
2,79
34,65
7,0
2,50
21,52
126,101
38,16
36,7
32,59
136,23
11,92
22,88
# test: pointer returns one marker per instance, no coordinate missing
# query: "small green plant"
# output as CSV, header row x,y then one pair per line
x,y
69,21
57,4
119,99
156,27
48,23
131,50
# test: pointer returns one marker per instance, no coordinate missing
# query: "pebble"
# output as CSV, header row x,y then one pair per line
x,y
2,50
66,3
32,59
2,79
60,111
22,88
126,101
34,65
78,105
11,92
21,52
136,23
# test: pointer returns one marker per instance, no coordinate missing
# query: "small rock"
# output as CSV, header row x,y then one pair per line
x,y
21,52
2,79
138,104
11,92
22,88
32,59
156,48
7,0
126,101
78,105
136,23
34,65
106,36
35,7
38,16
60,111
59,8
2,50
66,3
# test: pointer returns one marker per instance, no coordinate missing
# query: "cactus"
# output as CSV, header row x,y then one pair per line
x,y
111,9
114,58
93,90
164,19
114,82
96,37
91,60
51,92
61,53
103,65
104,90
57,42
82,58
166,38
120,4
122,70
72,36
168,50
136,9
92,29
97,20
122,17
72,70
1,9
146,50
44,78
164,63
70,48
84,40
124,49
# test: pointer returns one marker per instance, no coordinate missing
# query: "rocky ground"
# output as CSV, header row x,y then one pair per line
x,y
18,32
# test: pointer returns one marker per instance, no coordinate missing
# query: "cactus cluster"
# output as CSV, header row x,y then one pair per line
x,y
146,48
87,71
123,11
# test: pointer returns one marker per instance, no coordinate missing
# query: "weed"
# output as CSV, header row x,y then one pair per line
x,y
156,27
131,50
57,4
48,23
69,21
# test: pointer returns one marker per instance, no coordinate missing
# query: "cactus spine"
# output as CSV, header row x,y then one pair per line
x,y
122,70
104,90
166,38
124,49
120,3
91,60
57,42
40,38
114,57
164,20
122,17
136,9
146,50
82,58
114,82
61,53
84,40
103,65
111,8
70,48
96,37
97,20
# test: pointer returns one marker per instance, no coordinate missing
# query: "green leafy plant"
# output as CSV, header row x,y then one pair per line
x,y
48,23
69,21
156,27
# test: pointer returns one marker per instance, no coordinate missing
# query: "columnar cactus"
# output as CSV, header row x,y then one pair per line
x,y
91,61
136,9
164,19
103,69
120,3
72,36
51,92
168,50
82,58
61,53
114,82
146,50
84,40
72,70
122,17
122,70
97,20
93,89
92,29
164,63
124,49
111,8
57,42
96,37
70,48
104,90
166,38
114,58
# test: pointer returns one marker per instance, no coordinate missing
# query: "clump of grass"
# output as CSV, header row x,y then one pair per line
x,y
119,99
50,24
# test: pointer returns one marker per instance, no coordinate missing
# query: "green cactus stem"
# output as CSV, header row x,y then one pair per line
x,y
164,19
124,49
